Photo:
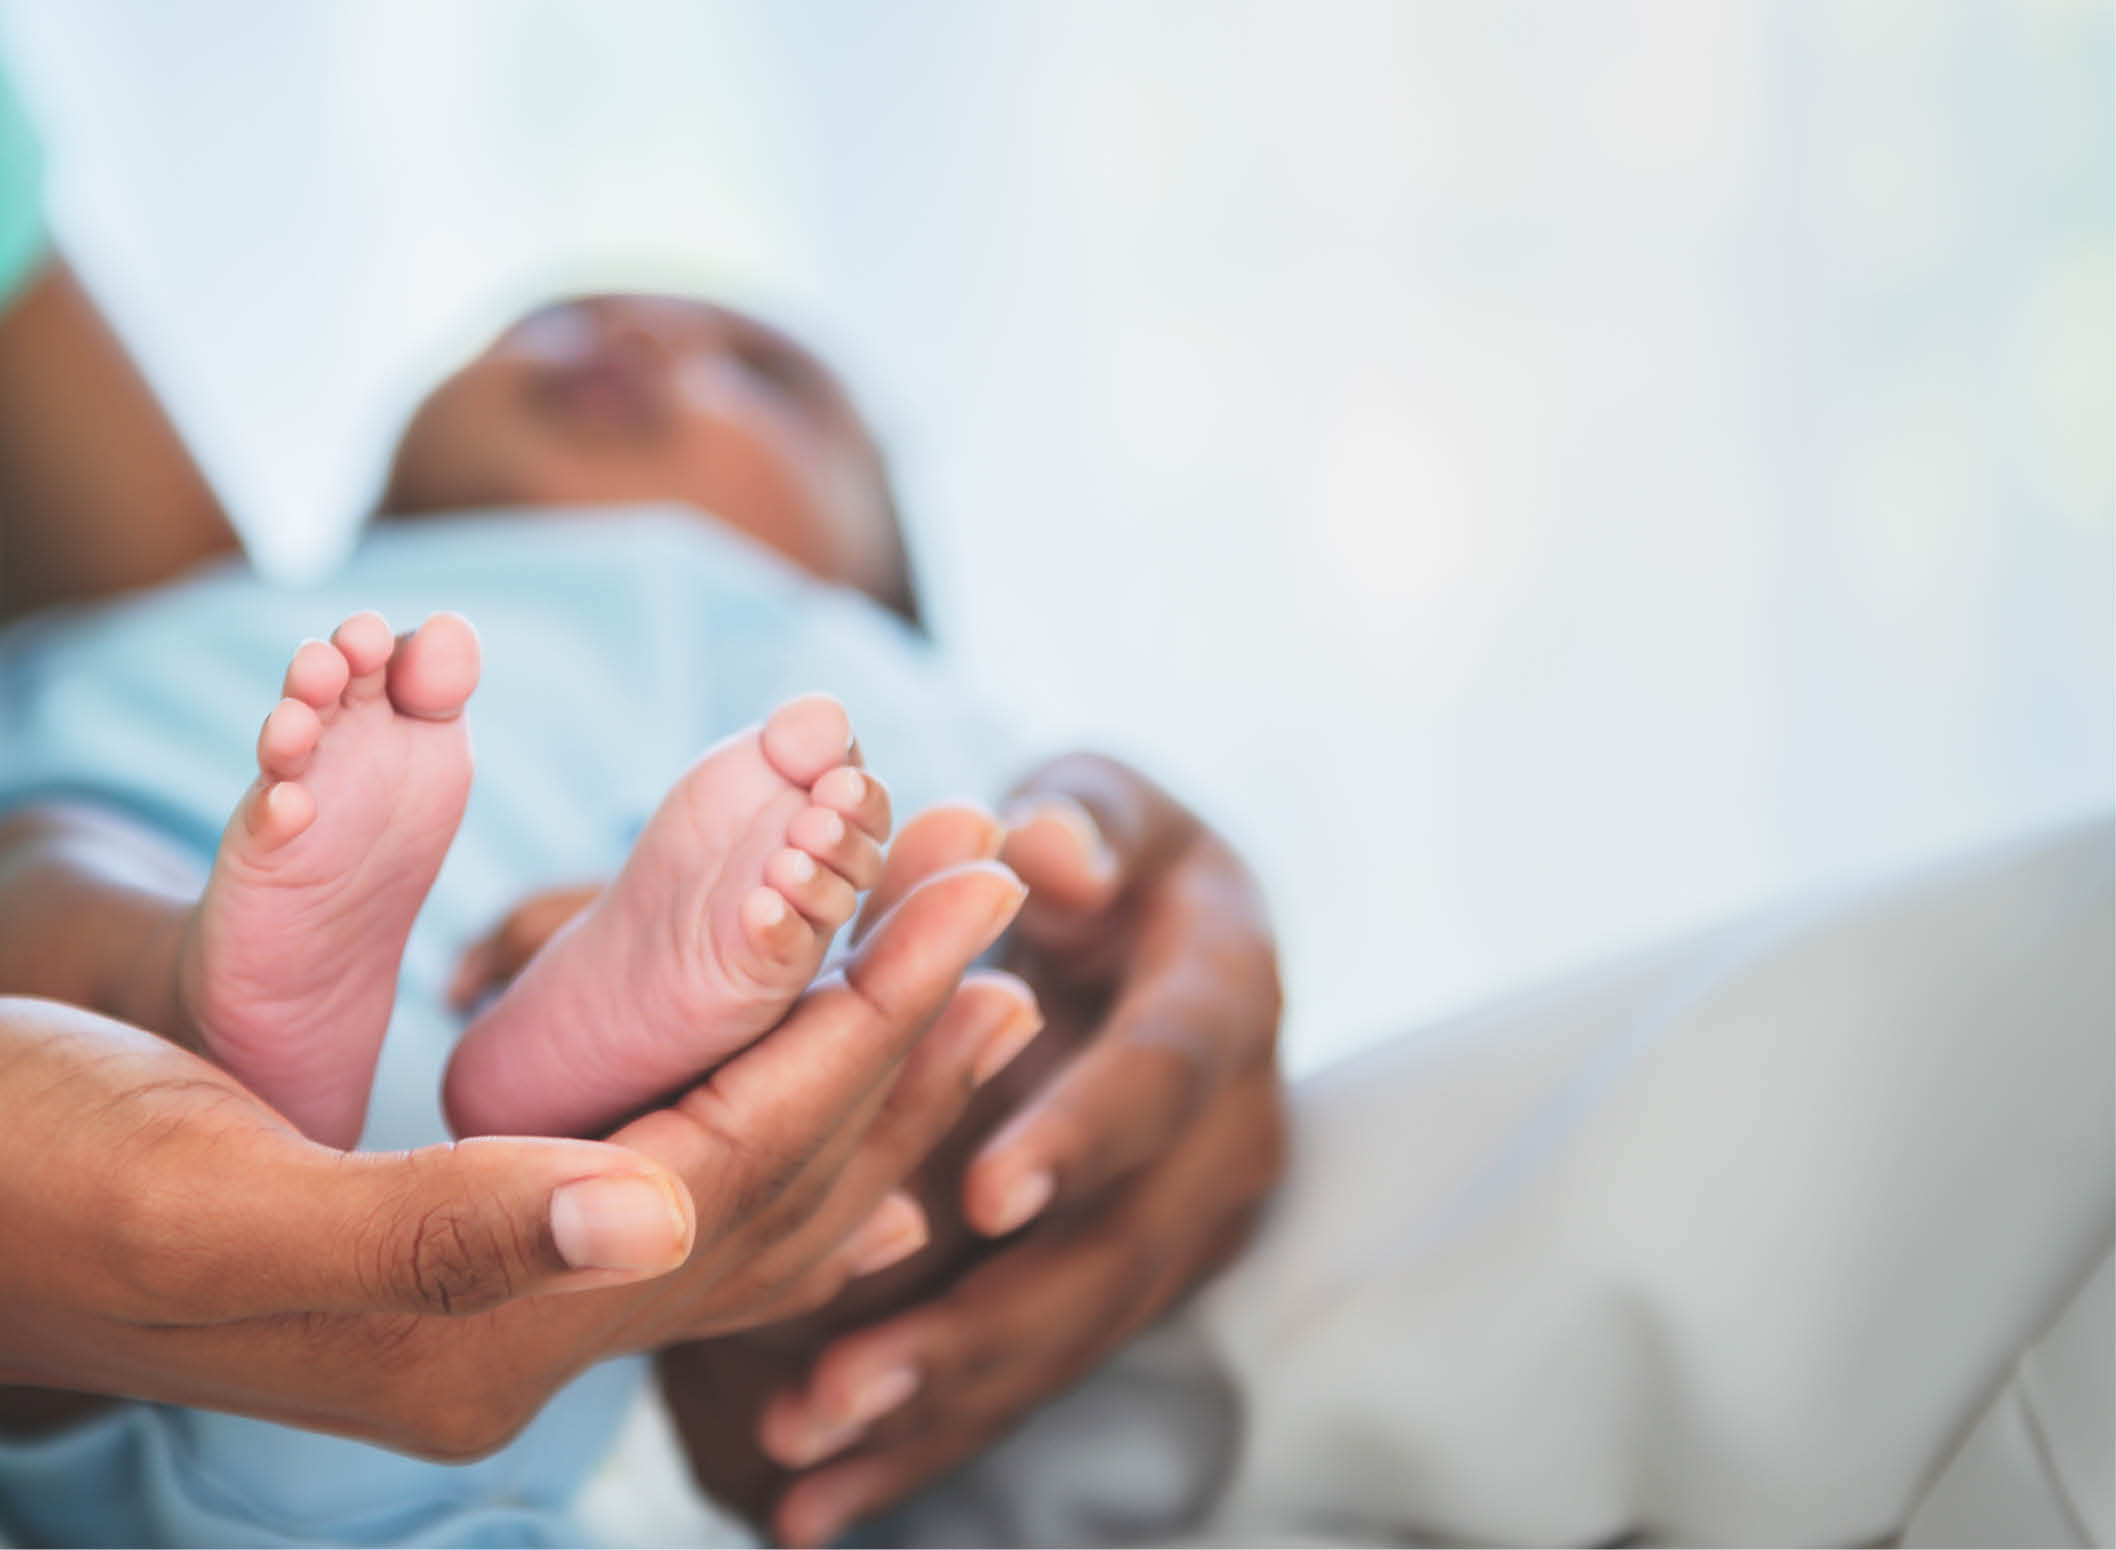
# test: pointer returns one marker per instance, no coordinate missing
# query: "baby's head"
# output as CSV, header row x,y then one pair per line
x,y
622,398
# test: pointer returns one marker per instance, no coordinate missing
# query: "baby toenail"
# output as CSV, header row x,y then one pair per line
x,y
800,868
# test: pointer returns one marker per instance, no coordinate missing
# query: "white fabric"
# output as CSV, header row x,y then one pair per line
x,y
1734,1242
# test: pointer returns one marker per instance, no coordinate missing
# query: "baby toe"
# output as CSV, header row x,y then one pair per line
x,y
278,812
365,642
805,737
288,738
860,796
775,928
316,676
434,669
847,851
824,899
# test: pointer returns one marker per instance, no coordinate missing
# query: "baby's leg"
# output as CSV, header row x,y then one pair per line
x,y
288,967
285,969
718,921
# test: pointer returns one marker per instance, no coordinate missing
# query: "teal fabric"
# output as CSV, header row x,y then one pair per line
x,y
618,645
22,236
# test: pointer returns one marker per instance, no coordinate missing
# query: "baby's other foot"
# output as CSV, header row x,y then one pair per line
x,y
288,969
718,921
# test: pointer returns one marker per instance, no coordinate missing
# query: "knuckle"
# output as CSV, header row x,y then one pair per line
x,y
155,1266
817,1289
753,1178
1170,1078
443,1257
155,1274
969,1348
151,1280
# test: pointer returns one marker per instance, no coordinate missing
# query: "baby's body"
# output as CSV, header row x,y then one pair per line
x,y
616,646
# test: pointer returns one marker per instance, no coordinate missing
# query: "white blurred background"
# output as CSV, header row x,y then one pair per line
x,y
1540,475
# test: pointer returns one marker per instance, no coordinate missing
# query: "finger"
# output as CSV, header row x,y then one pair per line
x,y
502,953
1093,828
917,1395
1056,847
895,1230
1165,1050
1199,1004
817,1509
1116,1105
936,839
745,1135
1034,1318
1031,1304
991,1018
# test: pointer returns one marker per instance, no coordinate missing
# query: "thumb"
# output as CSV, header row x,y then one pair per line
x,y
448,1229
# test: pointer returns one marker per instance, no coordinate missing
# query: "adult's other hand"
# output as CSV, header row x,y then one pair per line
x,y
1127,1153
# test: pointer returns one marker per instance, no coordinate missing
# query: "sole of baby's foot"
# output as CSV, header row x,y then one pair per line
x,y
720,917
288,966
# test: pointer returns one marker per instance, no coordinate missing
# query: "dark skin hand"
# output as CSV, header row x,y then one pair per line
x,y
404,1298
1153,1105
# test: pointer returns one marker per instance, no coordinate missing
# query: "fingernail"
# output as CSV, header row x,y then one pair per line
x,y
822,1442
1001,1048
622,1223
1008,905
1024,1198
1074,817
880,1394
895,1231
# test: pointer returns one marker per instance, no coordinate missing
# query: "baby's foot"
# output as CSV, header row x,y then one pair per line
x,y
719,919
289,967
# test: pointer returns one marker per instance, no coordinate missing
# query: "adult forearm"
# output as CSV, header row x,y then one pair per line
x,y
98,493
92,913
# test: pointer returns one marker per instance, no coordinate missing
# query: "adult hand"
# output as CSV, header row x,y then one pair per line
x,y
1143,1128
166,1237
1142,1132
